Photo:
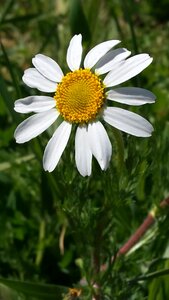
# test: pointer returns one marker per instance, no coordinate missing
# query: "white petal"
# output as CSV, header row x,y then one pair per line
x,y
127,69
83,154
56,146
34,79
34,104
131,96
97,52
35,125
100,144
48,67
127,121
108,61
74,52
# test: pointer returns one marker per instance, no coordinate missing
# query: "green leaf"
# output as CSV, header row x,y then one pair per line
x,y
36,290
21,19
6,9
11,71
6,97
158,289
155,274
78,20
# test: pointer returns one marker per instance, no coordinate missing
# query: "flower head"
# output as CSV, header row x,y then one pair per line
x,y
82,97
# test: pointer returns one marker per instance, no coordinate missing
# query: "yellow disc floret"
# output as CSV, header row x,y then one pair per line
x,y
80,96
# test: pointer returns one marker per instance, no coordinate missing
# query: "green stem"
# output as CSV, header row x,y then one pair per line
x,y
116,19
11,70
128,15
40,247
151,275
120,148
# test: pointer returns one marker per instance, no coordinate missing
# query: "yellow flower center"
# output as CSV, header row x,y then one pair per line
x,y
79,96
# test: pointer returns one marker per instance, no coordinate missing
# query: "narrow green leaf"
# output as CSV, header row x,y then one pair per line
x,y
20,19
155,274
91,10
11,71
151,275
78,20
120,148
6,97
6,9
40,291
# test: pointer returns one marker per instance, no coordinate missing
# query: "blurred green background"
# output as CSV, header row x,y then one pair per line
x,y
48,222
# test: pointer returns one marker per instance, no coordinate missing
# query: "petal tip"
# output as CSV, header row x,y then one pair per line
x,y
16,108
19,141
47,169
79,35
84,174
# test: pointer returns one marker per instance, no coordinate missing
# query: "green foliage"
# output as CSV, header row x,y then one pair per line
x,y
57,229
35,291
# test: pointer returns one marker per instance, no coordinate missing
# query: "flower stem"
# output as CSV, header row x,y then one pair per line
x,y
96,262
143,228
40,248
128,14
120,148
147,223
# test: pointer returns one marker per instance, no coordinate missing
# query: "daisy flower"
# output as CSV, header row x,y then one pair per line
x,y
82,98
